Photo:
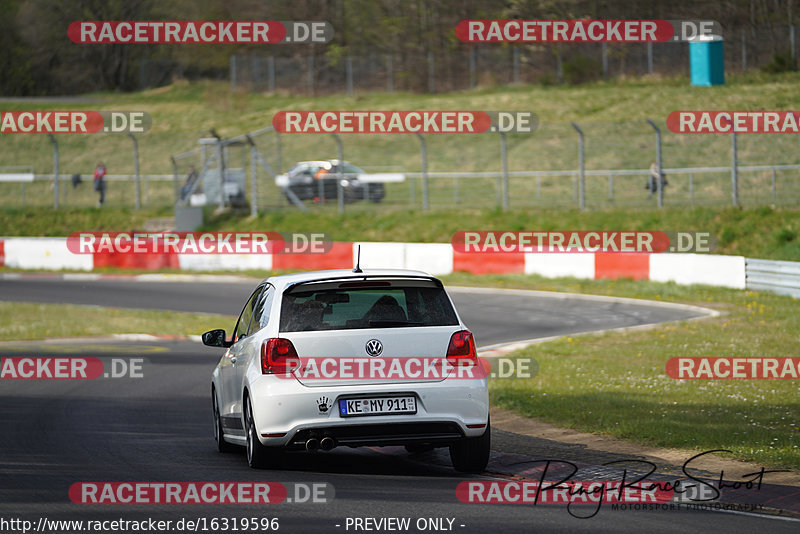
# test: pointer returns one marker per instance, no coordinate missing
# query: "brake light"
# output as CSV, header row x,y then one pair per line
x,y
462,348
278,356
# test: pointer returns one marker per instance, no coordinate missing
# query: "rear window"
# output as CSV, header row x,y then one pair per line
x,y
351,169
345,307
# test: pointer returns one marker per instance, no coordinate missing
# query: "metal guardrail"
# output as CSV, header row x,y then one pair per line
x,y
108,177
782,277
602,172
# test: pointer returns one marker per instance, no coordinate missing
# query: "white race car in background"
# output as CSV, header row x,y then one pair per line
x,y
263,398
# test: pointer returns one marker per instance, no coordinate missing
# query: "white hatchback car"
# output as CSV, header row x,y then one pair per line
x,y
350,357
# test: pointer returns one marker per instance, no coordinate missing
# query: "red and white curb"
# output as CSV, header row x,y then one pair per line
x,y
434,258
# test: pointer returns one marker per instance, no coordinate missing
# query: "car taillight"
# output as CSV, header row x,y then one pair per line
x,y
462,348
278,356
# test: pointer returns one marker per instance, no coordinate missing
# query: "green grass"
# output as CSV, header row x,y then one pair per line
x,y
615,383
611,114
26,321
758,233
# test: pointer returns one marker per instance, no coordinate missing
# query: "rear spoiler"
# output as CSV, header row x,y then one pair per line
x,y
365,278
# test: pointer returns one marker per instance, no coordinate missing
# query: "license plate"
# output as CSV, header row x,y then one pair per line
x,y
377,406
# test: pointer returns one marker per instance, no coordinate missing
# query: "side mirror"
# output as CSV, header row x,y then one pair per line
x,y
216,338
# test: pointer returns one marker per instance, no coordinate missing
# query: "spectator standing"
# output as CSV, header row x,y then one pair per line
x,y
100,183
655,176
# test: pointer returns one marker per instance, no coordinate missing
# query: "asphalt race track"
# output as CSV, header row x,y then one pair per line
x,y
493,317
158,427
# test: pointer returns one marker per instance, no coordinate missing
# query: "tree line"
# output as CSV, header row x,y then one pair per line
x,y
38,58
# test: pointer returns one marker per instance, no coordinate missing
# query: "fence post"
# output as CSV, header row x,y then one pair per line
x,y
604,52
221,166
349,75
137,181
650,58
339,189
582,163
311,75
279,155
142,73
253,177
504,158
424,155
431,74
610,187
575,187
659,185
175,178
389,74
744,50
773,183
472,68
691,188
255,74
734,170
66,189
233,71
515,64
55,170
792,41
559,67
271,73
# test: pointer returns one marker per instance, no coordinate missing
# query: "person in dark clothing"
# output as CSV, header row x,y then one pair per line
x,y
100,183
652,182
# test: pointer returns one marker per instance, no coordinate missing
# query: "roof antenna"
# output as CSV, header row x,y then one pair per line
x,y
358,261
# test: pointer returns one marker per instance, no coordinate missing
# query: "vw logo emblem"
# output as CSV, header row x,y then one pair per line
x,y
374,347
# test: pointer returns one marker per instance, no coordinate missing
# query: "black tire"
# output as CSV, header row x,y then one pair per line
x,y
470,455
222,445
376,193
258,456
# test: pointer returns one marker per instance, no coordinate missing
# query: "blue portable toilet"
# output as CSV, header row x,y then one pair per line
x,y
707,61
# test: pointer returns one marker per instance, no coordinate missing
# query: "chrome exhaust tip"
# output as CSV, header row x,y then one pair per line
x,y
312,445
327,443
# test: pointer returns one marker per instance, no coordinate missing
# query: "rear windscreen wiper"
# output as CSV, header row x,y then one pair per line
x,y
394,323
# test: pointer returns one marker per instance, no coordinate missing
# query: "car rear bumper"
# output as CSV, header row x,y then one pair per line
x,y
288,414
381,434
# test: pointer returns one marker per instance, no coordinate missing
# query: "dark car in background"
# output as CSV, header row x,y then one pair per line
x,y
317,181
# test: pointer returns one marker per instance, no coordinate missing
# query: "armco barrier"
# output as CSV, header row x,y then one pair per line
x,y
44,253
478,263
552,265
339,257
709,269
435,258
782,277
